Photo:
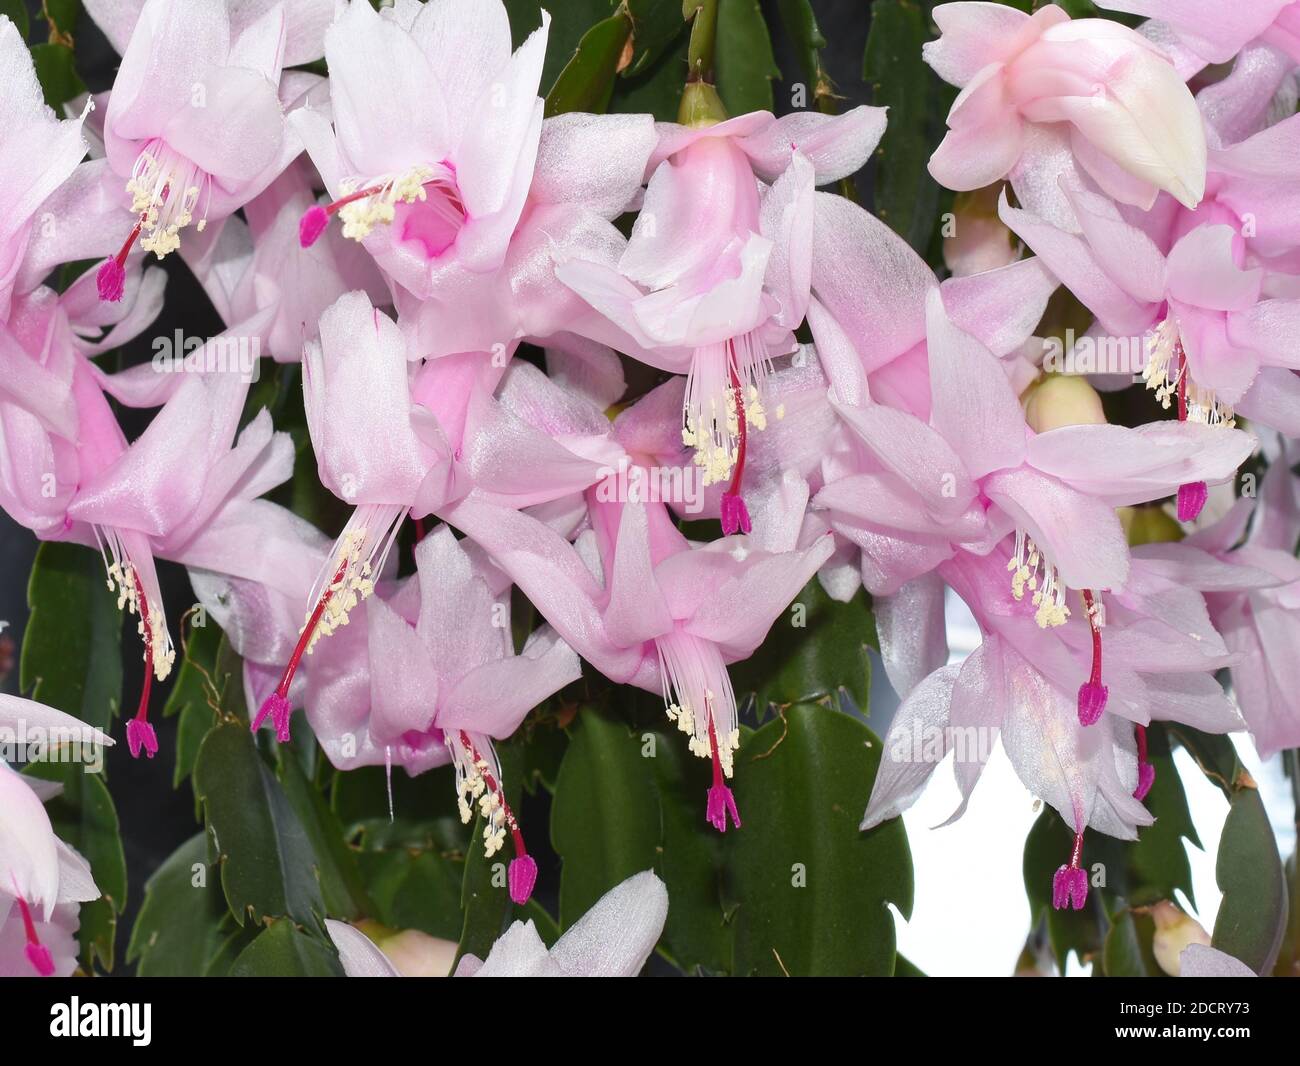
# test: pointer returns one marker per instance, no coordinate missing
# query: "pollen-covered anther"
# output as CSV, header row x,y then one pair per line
x,y
378,205
1032,571
1165,373
165,190
352,583
724,393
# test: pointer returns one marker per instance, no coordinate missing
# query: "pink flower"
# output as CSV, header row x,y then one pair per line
x,y
42,879
193,129
1019,686
1255,603
653,610
467,208
1133,125
1214,342
434,139
977,473
73,475
248,266
716,274
37,153
393,437
441,686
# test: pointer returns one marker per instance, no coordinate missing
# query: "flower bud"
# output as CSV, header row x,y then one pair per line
x,y
414,953
1174,931
1063,400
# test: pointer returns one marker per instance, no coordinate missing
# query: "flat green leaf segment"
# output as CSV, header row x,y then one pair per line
x,y
797,889
73,648
266,859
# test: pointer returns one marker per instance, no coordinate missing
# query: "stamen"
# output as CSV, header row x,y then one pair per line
x,y
1031,569
165,189
1146,771
476,779
1167,373
37,953
357,557
361,209
1070,883
735,515
699,698
724,390
123,577
1092,693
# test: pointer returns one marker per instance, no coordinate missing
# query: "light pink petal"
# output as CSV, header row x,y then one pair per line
x,y
1056,758
744,608
459,621
495,697
903,771
913,637
1070,259
172,49
403,683
388,110
1215,31
1215,362
359,954
1124,252
984,140
1202,271
917,454
617,935
29,857
973,404
594,160
499,145
519,952
1274,400
972,35
1080,534
786,218
835,145
1000,308
869,279
467,44
1140,464
1270,329
637,610
359,406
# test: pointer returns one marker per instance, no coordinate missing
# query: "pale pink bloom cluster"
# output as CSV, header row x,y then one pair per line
x,y
401,227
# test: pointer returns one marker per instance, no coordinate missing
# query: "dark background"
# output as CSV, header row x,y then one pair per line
x,y
155,818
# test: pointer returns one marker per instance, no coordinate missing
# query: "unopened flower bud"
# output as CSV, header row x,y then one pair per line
x,y
1063,400
1174,931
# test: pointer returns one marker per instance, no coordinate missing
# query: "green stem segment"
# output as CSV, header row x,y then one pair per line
x,y
704,31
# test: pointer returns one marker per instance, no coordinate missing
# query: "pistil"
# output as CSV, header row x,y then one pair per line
x,y
1070,882
735,515
37,953
1092,693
